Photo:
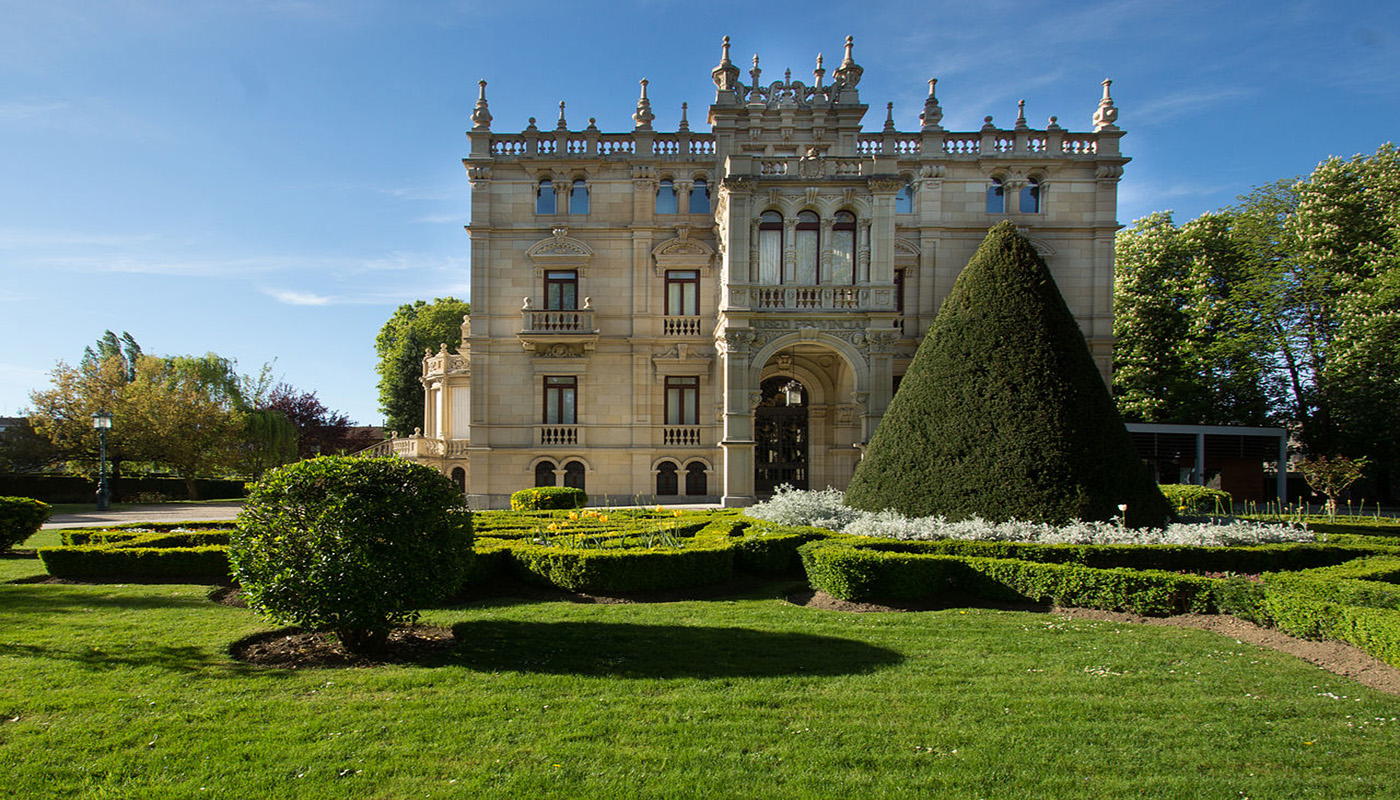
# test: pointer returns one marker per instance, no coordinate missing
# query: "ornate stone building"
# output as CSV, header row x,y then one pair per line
x,y
701,316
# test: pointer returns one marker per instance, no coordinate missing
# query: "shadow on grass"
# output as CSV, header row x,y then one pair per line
x,y
27,599
656,651
167,657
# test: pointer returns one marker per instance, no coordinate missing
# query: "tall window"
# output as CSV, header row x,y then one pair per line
x,y
560,290
1030,197
770,248
996,197
695,482
683,401
578,197
667,483
843,248
544,197
683,292
666,197
699,197
808,245
904,201
544,473
573,474
560,395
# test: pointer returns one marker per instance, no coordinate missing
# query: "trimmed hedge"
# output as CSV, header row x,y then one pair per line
x,y
629,570
20,518
97,562
1187,498
544,498
140,538
849,572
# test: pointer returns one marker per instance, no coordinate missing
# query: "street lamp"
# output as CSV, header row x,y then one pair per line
x,y
101,421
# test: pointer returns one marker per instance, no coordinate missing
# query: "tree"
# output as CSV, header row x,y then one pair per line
x,y
1003,413
23,449
319,430
63,414
351,545
400,346
1291,307
1332,476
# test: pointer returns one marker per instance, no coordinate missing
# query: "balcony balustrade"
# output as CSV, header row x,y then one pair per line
x,y
680,326
574,321
555,435
797,297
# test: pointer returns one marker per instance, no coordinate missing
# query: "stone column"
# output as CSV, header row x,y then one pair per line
x,y
738,441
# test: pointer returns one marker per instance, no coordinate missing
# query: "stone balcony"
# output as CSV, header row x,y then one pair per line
x,y
809,298
681,326
558,330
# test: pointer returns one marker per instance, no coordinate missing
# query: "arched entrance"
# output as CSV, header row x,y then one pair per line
x,y
781,435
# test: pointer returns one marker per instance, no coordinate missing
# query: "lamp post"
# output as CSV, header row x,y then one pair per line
x,y
102,421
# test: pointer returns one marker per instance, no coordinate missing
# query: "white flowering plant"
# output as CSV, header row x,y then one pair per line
x,y
825,509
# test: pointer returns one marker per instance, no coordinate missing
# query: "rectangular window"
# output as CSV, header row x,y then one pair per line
x,y
682,401
683,293
560,290
560,400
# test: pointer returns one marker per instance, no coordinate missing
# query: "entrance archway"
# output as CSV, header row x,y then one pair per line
x,y
781,435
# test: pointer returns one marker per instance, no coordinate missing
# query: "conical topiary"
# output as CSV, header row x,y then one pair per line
x,y
1002,413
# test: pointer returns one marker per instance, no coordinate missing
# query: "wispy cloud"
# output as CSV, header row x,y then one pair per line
x,y
33,112
294,298
1182,103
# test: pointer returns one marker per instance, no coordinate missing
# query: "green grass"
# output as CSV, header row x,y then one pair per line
x,y
128,691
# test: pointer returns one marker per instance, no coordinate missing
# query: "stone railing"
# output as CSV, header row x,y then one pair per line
x,y
596,144
554,435
680,326
554,321
793,297
417,447
680,436
442,364
1055,142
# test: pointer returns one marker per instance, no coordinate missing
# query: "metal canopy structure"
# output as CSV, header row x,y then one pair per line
x,y
1160,440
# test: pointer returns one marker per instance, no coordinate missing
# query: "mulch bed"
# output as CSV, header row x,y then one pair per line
x,y
293,648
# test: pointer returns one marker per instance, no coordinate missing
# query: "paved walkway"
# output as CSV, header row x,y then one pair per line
x,y
162,512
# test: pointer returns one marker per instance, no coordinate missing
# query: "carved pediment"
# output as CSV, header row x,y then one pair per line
x,y
561,249
683,252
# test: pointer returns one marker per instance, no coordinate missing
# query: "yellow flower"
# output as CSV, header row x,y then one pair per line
x,y
677,513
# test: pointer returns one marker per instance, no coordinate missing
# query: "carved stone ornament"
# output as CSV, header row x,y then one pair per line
x,y
683,252
885,185
559,351
477,175
737,183
561,249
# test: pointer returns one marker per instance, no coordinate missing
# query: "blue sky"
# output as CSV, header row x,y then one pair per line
x,y
269,179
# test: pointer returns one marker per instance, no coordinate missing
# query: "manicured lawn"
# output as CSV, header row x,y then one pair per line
x,y
128,691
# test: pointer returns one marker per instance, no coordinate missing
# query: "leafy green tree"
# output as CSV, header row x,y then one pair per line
x,y
110,346
1003,414
63,413
23,449
412,329
269,440
188,412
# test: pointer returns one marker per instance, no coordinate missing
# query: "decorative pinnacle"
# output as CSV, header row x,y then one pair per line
x,y
755,72
889,118
1021,115
481,115
643,116
849,73
563,126
933,112
685,123
1106,114
726,75
819,73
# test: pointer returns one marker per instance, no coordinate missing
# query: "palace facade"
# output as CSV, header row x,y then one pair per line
x,y
693,316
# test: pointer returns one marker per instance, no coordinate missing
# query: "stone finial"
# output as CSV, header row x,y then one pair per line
x,y
1021,116
1106,114
848,74
889,118
726,75
819,73
592,124
987,123
933,112
1054,124
685,123
481,115
531,126
755,74
562,126
643,116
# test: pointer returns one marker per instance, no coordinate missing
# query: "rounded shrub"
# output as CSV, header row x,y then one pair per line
x,y
351,545
20,518
548,498
1187,498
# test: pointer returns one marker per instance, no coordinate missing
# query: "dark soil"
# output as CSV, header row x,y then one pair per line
x,y
1336,657
293,648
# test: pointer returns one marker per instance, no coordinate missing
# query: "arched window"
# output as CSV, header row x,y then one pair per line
x,y
699,197
843,248
666,197
544,197
904,201
996,197
695,480
573,474
770,248
808,246
578,197
459,479
667,482
544,473
1030,197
